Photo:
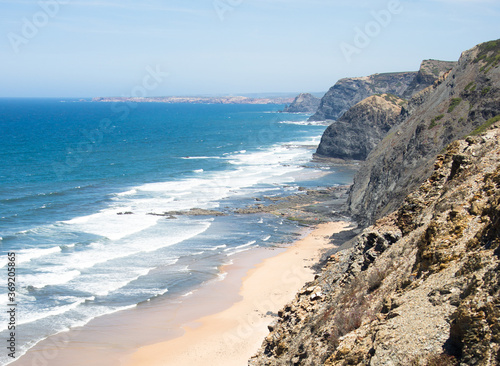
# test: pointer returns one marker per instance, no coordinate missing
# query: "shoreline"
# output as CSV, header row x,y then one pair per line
x,y
238,308
232,336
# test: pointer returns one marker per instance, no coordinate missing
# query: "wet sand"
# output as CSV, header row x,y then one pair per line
x,y
222,323
230,337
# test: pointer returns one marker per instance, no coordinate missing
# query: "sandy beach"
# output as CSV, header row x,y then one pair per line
x,y
231,336
222,323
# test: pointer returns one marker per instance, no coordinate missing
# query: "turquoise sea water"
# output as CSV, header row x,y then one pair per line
x,y
80,183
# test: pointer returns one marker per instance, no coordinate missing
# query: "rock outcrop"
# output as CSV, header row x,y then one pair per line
x,y
349,91
303,103
419,287
361,128
429,72
460,101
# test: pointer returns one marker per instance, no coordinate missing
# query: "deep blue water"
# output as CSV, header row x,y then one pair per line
x,y
70,170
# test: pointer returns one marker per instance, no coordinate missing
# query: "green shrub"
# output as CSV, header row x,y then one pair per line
x,y
485,91
489,53
434,120
485,126
469,86
454,103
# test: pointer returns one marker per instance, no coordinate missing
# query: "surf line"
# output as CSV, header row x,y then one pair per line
x,y
12,305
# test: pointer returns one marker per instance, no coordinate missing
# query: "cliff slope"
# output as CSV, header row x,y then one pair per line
x,y
361,128
462,100
349,91
419,287
429,72
303,103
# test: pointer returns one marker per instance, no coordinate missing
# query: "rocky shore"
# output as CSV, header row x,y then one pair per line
x,y
420,285
308,207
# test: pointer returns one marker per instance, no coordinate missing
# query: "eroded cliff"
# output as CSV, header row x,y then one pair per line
x,y
419,287
349,91
361,128
460,101
303,103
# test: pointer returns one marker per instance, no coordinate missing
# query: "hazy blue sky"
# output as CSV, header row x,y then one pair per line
x,y
77,48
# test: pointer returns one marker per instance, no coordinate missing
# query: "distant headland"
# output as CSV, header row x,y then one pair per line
x,y
198,100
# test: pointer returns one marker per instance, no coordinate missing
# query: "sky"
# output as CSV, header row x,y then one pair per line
x,y
91,48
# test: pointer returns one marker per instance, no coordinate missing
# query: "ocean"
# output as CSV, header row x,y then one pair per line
x,y
83,186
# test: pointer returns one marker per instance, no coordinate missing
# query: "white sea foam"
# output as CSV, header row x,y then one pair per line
x,y
200,157
45,313
218,247
55,276
111,264
102,284
127,193
147,242
240,246
108,223
26,255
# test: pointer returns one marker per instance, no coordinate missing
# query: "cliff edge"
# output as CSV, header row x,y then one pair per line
x,y
459,102
349,91
419,287
361,128
303,103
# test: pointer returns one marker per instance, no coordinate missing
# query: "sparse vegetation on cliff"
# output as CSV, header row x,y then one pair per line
x,y
421,285
489,53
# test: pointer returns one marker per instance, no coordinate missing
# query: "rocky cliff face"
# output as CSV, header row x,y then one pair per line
x,y
419,287
462,100
303,103
429,72
361,128
349,91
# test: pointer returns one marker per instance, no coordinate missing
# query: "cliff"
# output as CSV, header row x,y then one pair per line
x,y
349,91
429,72
460,101
361,128
419,287
303,103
